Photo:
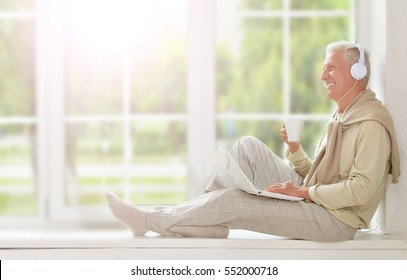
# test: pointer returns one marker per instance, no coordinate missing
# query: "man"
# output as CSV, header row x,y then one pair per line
x,y
342,188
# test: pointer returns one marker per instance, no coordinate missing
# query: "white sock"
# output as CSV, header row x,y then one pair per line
x,y
201,231
130,216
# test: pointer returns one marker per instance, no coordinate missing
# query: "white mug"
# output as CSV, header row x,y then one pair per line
x,y
294,128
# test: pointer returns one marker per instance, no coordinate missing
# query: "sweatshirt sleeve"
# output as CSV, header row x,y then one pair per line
x,y
300,161
369,164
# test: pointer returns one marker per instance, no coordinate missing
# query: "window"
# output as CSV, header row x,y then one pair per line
x,y
125,95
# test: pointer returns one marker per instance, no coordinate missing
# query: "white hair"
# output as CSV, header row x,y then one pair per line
x,y
351,54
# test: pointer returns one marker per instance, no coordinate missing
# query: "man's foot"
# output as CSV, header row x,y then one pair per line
x,y
130,216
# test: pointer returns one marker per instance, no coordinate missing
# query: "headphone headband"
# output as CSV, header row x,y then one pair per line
x,y
361,53
359,69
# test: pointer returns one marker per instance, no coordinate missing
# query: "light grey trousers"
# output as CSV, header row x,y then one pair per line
x,y
236,209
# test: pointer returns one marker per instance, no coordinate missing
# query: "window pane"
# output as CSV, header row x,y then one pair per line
x,y
158,68
17,5
153,173
17,67
94,83
17,170
94,161
224,6
321,4
159,172
249,65
267,131
311,134
307,56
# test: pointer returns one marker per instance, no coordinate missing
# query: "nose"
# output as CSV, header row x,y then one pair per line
x,y
324,74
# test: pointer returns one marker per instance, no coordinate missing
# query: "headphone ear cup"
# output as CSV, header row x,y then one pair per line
x,y
358,71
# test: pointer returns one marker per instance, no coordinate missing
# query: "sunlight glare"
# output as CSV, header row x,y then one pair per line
x,y
109,25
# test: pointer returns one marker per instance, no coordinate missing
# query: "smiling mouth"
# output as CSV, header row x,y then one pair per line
x,y
328,85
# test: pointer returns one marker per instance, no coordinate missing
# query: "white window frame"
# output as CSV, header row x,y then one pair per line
x,y
201,116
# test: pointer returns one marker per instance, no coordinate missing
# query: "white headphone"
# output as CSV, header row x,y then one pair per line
x,y
359,70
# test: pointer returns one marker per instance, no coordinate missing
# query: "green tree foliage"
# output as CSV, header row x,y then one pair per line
x,y
17,71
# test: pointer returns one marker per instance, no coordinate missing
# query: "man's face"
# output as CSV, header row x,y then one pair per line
x,y
336,75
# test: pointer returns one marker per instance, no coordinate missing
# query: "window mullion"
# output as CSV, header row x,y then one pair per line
x,y
127,141
286,58
54,110
201,89
42,114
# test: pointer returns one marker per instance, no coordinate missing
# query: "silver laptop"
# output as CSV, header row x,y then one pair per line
x,y
230,175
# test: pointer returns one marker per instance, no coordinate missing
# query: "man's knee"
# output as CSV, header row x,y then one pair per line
x,y
249,141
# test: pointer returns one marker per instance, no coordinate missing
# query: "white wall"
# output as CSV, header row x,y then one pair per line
x,y
371,33
396,102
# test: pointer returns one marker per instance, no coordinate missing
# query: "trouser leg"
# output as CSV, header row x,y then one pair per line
x,y
261,165
236,209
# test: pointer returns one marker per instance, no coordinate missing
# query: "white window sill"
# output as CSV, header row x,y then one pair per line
x,y
102,244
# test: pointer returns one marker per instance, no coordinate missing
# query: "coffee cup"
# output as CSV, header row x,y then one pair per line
x,y
294,128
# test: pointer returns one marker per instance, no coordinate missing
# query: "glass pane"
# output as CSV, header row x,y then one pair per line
x,y
307,55
321,4
94,83
158,67
225,6
154,174
229,131
17,5
95,37
269,133
310,136
94,161
159,167
124,47
17,170
249,65
173,6
17,67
